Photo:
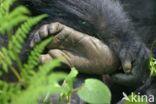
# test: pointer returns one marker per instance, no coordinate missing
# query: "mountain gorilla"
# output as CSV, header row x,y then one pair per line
x,y
113,42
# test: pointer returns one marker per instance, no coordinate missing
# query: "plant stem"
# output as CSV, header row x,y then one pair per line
x,y
69,99
18,60
16,73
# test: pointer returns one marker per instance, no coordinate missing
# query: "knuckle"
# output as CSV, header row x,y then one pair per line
x,y
44,58
43,32
54,27
55,53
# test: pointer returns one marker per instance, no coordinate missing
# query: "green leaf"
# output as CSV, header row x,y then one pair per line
x,y
70,78
5,6
72,75
33,58
67,86
18,15
95,92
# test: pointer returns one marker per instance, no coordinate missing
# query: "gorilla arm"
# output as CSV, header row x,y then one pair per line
x,y
76,49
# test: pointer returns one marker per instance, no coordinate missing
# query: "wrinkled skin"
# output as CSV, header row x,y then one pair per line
x,y
77,49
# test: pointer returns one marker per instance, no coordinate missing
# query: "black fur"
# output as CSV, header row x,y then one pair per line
x,y
105,16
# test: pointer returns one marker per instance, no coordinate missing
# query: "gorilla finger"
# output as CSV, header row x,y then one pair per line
x,y
127,66
36,38
53,54
63,55
66,38
43,31
55,28
39,35
127,80
140,64
126,61
44,58
141,70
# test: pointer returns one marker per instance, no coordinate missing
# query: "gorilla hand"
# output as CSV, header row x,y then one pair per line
x,y
134,57
86,53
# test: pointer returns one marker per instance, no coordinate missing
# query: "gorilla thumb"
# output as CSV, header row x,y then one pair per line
x,y
127,66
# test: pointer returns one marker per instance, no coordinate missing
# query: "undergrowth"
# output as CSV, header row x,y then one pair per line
x,y
30,84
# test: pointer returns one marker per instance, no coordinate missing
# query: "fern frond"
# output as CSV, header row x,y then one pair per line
x,y
33,94
43,71
33,59
16,43
5,6
9,21
5,60
36,85
7,91
41,84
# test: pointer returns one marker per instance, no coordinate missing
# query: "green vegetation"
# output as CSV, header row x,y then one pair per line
x,y
153,66
35,82
30,84
152,60
95,92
